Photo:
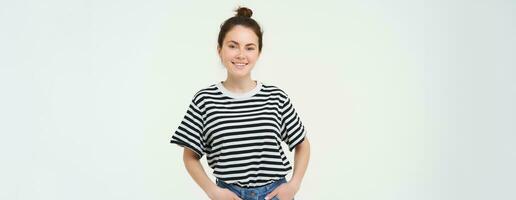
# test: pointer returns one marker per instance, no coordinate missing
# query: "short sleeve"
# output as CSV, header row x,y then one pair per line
x,y
292,129
190,131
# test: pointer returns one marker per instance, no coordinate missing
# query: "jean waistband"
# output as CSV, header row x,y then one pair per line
x,y
252,187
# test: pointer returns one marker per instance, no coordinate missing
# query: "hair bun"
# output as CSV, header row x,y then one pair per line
x,y
244,12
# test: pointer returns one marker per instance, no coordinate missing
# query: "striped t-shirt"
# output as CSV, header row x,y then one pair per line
x,y
241,133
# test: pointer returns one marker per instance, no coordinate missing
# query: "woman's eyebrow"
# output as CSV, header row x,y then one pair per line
x,y
249,44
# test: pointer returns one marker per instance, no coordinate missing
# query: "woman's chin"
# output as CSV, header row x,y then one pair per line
x,y
239,74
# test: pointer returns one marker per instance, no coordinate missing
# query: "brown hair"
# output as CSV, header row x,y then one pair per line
x,y
243,17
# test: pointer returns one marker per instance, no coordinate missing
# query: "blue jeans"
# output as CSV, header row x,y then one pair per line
x,y
254,193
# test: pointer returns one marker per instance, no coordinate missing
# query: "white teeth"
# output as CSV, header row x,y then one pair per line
x,y
240,64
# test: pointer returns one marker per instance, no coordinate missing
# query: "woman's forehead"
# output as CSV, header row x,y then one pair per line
x,y
241,35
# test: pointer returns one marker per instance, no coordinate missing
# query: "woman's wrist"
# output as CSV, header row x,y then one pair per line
x,y
295,184
211,190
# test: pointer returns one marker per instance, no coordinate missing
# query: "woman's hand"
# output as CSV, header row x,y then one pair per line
x,y
223,194
285,191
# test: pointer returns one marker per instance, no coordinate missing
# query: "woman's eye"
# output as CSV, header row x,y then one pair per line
x,y
250,49
231,46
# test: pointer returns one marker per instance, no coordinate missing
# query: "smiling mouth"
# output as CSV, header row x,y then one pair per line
x,y
239,65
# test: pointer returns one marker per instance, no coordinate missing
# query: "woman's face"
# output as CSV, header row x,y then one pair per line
x,y
239,51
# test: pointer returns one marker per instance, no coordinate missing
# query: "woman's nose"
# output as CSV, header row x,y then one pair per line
x,y
240,54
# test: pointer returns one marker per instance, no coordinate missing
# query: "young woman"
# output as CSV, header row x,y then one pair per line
x,y
240,123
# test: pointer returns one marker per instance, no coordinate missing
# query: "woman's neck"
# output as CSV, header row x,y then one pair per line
x,y
239,85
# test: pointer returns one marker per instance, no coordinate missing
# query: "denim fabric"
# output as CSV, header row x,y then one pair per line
x,y
254,193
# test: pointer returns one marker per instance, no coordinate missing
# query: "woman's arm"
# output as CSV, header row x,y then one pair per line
x,y
196,171
301,158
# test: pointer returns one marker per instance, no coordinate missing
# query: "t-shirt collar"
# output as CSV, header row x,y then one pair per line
x,y
234,95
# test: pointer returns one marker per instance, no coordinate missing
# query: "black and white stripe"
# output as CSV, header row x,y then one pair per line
x,y
241,135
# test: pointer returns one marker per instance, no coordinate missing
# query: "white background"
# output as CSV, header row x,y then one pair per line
x,y
401,99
